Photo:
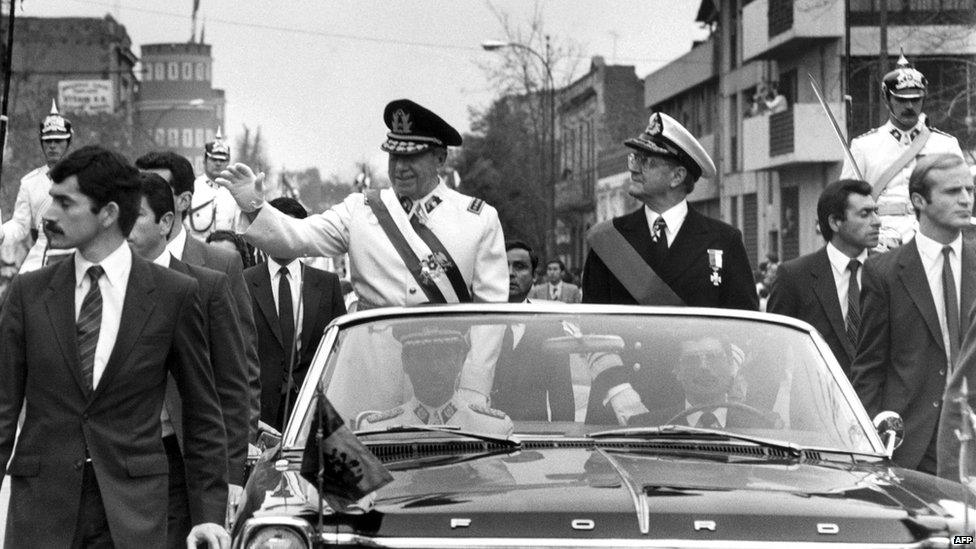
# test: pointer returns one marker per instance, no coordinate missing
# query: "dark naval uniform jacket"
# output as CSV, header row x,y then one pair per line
x,y
686,268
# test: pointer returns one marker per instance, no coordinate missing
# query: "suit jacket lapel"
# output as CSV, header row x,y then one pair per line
x,y
60,304
968,281
193,251
912,275
262,294
826,291
682,252
136,309
312,291
634,229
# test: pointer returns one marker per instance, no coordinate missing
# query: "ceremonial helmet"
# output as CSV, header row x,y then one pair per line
x,y
905,81
54,126
217,149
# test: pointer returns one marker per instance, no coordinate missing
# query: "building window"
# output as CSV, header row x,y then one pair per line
x,y
147,73
201,72
173,70
173,137
160,138
160,69
199,138
187,70
187,138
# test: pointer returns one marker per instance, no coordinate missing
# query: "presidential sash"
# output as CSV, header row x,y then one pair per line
x,y
879,186
637,277
429,272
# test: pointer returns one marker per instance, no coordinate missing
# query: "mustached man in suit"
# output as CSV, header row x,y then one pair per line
x,y
178,172
225,344
313,299
530,384
914,308
87,346
823,288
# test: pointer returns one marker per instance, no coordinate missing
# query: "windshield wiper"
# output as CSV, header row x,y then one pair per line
x,y
510,442
791,449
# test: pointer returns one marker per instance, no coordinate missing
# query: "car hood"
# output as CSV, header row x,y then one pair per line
x,y
594,492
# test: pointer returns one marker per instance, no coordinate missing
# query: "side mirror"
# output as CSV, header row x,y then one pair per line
x,y
891,429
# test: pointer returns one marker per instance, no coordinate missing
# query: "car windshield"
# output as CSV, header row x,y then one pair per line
x,y
547,373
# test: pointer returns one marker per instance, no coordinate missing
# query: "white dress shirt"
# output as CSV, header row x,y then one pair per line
x,y
931,253
177,245
295,274
555,290
720,414
842,275
674,217
112,285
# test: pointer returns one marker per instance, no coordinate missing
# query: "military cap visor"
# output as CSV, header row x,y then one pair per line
x,y
217,150
906,83
664,136
415,129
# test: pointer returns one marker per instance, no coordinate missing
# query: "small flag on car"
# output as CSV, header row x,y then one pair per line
x,y
334,461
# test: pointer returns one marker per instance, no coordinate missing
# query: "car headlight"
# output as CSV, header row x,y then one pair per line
x,y
277,537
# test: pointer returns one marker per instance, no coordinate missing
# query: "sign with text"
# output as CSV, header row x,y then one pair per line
x,y
85,96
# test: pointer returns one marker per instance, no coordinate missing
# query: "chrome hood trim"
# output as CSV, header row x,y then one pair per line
x,y
636,493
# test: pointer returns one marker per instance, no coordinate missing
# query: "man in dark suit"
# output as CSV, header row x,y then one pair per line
x,y
666,253
225,343
529,383
289,330
823,288
913,309
87,345
178,172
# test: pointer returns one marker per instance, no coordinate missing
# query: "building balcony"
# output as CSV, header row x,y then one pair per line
x,y
777,28
575,194
798,136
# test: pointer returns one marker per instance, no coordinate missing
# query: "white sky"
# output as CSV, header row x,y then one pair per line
x,y
316,74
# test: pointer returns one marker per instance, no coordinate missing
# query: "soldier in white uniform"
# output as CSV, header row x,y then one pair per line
x,y
890,152
432,359
417,242
33,198
212,208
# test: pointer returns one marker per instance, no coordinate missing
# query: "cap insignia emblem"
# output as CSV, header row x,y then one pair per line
x,y
654,126
401,122
909,78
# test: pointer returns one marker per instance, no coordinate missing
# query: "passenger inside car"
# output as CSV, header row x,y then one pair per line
x,y
532,383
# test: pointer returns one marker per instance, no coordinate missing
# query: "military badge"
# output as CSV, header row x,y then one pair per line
x,y
432,203
715,264
401,122
909,78
433,267
654,127
476,205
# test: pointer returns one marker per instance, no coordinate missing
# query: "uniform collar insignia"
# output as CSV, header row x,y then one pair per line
x,y
401,122
422,414
406,203
432,203
896,134
914,133
448,411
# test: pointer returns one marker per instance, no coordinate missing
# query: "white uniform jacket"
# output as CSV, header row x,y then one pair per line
x,y
33,199
878,149
214,209
468,228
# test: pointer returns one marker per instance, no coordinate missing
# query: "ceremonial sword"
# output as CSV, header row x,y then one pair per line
x,y
833,122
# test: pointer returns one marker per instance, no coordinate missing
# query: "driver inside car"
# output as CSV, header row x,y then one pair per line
x,y
432,359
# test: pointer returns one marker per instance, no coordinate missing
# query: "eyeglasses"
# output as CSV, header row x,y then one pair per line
x,y
636,161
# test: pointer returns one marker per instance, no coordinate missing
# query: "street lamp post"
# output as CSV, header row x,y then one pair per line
x,y
549,140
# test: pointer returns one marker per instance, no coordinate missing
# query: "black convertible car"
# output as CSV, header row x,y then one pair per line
x,y
586,426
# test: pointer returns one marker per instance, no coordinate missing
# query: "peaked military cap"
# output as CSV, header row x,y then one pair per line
x,y
217,149
54,126
664,136
414,129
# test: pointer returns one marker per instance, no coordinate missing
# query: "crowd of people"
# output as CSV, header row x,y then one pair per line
x,y
163,321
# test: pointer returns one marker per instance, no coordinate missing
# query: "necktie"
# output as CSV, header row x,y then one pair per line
x,y
853,302
286,315
89,323
659,235
708,421
554,292
951,305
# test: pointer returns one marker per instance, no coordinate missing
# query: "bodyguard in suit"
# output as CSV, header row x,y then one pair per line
x,y
913,301
530,384
666,253
293,303
178,172
225,344
823,288
87,346
555,289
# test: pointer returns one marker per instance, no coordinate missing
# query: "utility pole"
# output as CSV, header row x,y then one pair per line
x,y
883,53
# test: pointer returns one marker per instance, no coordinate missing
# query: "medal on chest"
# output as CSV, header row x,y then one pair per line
x,y
715,264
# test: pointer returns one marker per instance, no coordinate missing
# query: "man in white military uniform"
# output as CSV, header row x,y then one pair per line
x,y
33,198
417,242
887,155
432,359
212,208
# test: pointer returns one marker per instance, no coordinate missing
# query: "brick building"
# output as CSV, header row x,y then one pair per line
x,y
178,108
595,114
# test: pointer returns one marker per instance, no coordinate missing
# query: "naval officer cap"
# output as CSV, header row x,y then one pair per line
x,y
664,136
415,129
